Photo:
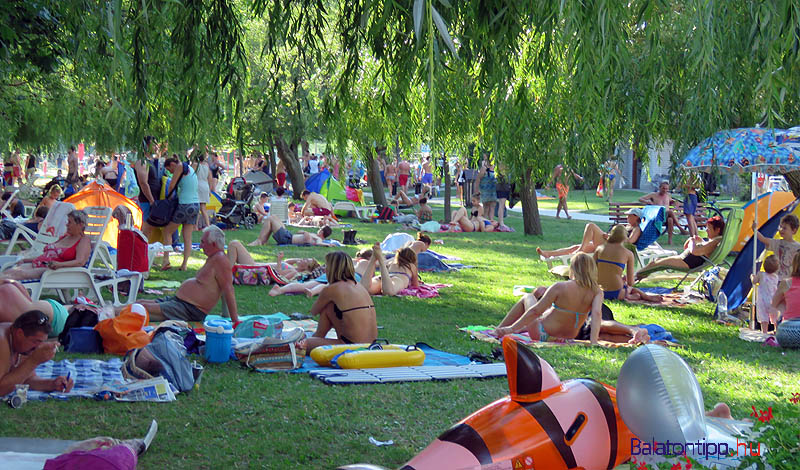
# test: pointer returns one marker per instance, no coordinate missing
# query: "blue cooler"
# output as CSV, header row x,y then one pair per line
x,y
218,340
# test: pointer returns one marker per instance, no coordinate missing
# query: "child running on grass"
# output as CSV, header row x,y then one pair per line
x,y
767,285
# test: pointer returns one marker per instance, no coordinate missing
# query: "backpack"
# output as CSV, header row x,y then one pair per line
x,y
79,315
164,356
386,213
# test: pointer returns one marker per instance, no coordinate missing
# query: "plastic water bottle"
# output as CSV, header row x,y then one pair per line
x,y
722,305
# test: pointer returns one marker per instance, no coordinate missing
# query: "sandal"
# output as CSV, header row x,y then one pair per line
x,y
166,267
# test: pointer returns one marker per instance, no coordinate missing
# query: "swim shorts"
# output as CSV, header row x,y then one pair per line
x,y
403,180
320,211
427,178
174,308
690,204
60,315
563,190
282,237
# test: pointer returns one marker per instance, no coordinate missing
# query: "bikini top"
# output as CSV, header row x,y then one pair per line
x,y
621,265
577,314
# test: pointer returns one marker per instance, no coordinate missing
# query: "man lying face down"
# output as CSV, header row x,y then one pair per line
x,y
23,346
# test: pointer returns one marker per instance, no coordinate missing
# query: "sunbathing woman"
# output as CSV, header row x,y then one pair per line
x,y
343,305
695,249
71,250
315,287
613,259
561,310
395,275
17,301
422,243
288,268
476,223
594,236
403,198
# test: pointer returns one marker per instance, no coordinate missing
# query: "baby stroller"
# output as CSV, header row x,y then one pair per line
x,y
235,210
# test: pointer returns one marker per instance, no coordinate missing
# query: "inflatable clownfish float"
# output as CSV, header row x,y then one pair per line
x,y
542,424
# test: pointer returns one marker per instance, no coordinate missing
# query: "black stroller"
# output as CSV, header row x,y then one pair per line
x,y
235,210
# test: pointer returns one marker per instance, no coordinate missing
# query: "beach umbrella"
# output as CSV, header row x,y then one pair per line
x,y
772,151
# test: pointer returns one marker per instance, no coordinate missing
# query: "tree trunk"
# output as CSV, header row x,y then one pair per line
x,y
273,165
793,178
530,206
374,175
288,155
446,171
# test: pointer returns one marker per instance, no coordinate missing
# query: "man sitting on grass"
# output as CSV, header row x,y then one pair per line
x,y
315,204
198,295
273,226
23,346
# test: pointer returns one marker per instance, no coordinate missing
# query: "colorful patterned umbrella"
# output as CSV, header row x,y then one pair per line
x,y
773,151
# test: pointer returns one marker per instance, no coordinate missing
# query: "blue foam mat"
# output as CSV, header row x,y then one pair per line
x,y
408,374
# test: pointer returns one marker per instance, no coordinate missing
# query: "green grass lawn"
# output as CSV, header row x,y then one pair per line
x,y
242,419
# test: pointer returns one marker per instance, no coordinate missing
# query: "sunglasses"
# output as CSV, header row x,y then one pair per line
x,y
41,319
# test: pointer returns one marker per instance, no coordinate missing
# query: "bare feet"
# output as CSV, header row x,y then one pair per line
x,y
539,250
720,410
276,290
640,337
254,243
309,293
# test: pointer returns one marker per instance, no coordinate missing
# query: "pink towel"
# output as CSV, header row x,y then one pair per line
x,y
119,457
423,291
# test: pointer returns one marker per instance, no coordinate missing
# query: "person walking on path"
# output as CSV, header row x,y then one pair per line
x,y
561,177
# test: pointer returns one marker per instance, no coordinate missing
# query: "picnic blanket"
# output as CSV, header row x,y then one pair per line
x,y
435,262
423,291
673,300
486,333
90,375
338,225
753,336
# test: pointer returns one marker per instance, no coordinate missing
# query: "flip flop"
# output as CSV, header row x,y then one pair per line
x,y
166,267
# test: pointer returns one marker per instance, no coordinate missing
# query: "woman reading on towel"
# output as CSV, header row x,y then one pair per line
x,y
562,309
71,250
694,249
344,305
395,275
289,268
594,236
17,301
314,287
615,265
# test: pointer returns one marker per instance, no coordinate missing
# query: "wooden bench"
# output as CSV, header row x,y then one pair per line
x,y
617,210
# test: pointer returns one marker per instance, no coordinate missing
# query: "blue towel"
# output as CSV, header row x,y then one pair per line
x,y
652,226
658,333
656,290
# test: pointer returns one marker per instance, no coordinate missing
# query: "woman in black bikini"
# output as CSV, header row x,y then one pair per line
x,y
695,249
395,275
344,305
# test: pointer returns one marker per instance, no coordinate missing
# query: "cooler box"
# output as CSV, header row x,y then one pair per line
x,y
219,334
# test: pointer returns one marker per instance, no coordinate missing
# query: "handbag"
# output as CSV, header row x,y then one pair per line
x,y
162,210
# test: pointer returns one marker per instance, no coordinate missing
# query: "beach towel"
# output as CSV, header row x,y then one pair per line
x,y
753,336
673,300
434,262
423,291
90,375
486,333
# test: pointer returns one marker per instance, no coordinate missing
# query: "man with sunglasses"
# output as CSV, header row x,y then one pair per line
x,y
23,346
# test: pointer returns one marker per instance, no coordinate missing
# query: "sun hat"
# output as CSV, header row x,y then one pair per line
x,y
637,211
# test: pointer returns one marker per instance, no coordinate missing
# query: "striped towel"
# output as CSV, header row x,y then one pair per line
x,y
90,375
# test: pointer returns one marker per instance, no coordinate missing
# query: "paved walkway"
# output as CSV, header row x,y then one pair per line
x,y
576,214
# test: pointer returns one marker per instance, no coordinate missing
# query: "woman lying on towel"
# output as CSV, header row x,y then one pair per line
x,y
476,223
395,275
315,287
403,198
615,265
594,236
343,305
17,301
694,249
289,268
71,250
562,309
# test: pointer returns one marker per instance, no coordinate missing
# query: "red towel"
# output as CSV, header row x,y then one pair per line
x,y
423,291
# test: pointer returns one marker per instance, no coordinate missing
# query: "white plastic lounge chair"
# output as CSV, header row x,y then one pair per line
x,y
53,227
92,277
279,207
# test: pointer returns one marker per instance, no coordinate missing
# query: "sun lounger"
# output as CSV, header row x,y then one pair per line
x,y
733,224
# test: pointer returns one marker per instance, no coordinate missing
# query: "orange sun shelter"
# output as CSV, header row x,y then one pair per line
x,y
96,194
768,205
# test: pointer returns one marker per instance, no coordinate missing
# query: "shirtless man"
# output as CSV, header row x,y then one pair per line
x,y
390,172
274,227
72,166
23,346
403,170
427,173
663,198
315,204
198,295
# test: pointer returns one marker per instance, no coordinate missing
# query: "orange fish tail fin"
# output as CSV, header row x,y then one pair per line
x,y
527,373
